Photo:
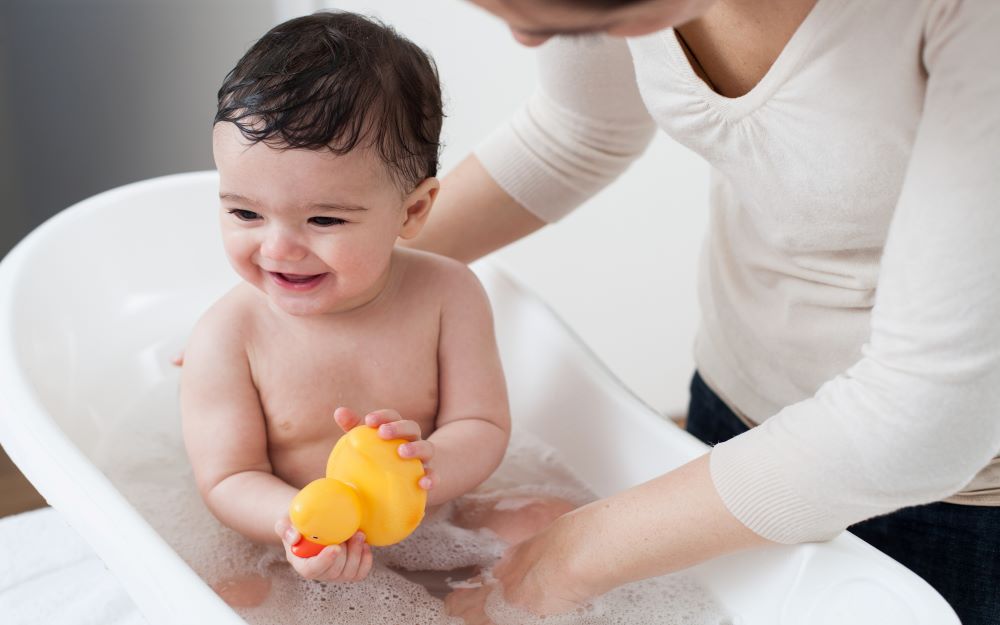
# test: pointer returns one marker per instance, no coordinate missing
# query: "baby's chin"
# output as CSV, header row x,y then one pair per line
x,y
310,306
301,307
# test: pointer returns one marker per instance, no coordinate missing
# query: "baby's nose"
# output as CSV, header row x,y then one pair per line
x,y
282,246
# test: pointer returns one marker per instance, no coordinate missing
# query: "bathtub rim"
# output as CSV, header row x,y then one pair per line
x,y
83,494
66,478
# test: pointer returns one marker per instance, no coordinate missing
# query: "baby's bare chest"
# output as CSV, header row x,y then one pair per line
x,y
303,378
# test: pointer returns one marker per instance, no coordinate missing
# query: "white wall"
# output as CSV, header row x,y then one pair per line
x,y
621,270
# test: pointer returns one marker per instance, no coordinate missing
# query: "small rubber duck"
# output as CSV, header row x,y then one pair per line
x,y
368,486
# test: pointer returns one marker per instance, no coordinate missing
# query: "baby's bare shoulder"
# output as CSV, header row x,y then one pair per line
x,y
452,290
228,323
443,277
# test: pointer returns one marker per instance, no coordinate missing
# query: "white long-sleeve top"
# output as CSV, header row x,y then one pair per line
x,y
850,279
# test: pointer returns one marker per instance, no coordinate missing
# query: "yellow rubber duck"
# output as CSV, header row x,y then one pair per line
x,y
368,486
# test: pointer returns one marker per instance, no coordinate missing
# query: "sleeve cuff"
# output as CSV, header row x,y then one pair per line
x,y
519,173
754,487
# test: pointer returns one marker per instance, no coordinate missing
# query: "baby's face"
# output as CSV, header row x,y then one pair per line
x,y
314,231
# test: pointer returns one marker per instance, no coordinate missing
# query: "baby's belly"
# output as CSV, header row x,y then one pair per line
x,y
298,464
301,430
299,456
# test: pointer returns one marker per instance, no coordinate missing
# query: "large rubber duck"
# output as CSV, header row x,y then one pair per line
x,y
368,486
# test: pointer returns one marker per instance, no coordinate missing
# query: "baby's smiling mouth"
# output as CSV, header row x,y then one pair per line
x,y
295,281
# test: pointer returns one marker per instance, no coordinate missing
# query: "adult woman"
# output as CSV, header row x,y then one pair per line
x,y
849,283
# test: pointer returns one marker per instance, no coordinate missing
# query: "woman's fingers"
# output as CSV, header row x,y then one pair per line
x,y
469,604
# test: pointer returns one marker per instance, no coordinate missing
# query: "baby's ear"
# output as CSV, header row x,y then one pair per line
x,y
417,206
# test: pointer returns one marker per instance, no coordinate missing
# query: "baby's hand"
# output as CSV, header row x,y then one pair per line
x,y
350,561
390,425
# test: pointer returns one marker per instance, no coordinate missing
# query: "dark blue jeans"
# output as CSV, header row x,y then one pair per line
x,y
956,548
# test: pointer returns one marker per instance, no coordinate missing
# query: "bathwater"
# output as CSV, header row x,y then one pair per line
x,y
145,459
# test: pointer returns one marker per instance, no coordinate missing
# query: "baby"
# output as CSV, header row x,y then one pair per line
x,y
326,142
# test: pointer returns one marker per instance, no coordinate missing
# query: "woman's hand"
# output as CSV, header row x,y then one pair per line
x,y
350,561
391,425
534,576
666,524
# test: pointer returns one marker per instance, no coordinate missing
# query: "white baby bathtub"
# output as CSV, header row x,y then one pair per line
x,y
95,301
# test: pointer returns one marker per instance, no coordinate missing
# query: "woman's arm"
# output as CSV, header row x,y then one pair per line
x,y
919,414
473,216
666,524
911,422
583,126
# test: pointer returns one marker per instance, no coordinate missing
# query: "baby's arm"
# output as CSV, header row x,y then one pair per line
x,y
472,425
224,430
473,421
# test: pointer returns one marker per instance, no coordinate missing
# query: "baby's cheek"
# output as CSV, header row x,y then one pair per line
x,y
240,258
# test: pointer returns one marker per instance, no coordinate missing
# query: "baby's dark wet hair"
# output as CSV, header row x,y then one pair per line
x,y
338,81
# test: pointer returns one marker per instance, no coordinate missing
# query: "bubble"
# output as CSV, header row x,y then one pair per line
x,y
454,544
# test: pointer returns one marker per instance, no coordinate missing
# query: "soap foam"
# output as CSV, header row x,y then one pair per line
x,y
669,600
146,461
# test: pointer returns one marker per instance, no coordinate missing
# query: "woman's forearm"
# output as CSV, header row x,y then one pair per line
x,y
250,503
473,216
669,523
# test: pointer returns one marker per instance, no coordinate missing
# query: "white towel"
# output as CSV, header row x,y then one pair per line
x,y
49,575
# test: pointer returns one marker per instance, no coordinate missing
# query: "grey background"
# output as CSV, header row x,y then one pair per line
x,y
98,93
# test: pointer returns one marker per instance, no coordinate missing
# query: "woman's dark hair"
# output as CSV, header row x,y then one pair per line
x,y
338,81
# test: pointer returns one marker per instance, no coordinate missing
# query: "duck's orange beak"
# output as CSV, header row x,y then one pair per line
x,y
306,548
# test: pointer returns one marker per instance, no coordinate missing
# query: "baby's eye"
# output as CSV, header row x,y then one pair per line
x,y
244,215
326,221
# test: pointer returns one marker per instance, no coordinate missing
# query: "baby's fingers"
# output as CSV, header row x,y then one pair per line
x,y
289,536
406,429
424,450
366,563
377,417
327,565
356,549
309,568
346,418
429,480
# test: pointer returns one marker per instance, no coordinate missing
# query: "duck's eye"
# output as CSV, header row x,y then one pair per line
x,y
315,537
